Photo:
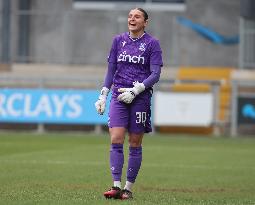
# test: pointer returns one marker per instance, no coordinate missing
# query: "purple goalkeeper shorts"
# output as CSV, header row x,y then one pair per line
x,y
135,117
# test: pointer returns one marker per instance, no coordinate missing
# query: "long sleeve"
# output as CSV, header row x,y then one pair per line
x,y
153,77
112,67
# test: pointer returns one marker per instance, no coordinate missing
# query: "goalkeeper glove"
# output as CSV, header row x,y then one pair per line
x,y
101,102
128,94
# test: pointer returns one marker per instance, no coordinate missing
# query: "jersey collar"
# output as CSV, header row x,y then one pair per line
x,y
135,39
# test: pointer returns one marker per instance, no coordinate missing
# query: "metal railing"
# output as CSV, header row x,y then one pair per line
x,y
247,44
88,83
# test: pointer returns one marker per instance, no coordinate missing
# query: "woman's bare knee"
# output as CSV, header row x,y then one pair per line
x,y
117,135
135,140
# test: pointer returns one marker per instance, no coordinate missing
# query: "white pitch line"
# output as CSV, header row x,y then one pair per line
x,y
53,162
150,165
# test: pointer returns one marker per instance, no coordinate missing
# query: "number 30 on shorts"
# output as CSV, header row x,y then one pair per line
x,y
140,117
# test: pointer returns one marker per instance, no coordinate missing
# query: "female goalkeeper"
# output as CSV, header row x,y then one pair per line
x,y
134,66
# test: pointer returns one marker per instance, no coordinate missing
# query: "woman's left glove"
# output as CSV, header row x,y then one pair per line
x,y
101,102
128,94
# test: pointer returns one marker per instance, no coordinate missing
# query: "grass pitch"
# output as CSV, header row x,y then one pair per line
x,y
73,169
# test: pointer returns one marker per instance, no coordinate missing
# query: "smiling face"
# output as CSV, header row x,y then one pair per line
x,y
136,23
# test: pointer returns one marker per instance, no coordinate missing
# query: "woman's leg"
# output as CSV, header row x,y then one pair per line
x,y
117,135
134,159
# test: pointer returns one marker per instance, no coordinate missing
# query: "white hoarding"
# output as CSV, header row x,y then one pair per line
x,y
183,109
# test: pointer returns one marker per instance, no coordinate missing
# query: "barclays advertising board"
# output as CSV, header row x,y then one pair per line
x,y
51,106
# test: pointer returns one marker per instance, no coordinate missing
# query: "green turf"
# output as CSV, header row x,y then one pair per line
x,y
73,169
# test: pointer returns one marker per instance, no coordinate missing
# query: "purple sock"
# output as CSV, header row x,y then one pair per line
x,y
116,161
134,163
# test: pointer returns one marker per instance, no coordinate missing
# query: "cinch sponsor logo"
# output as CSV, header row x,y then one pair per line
x,y
131,59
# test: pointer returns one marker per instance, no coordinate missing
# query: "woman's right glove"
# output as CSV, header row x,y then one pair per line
x,y
128,94
101,102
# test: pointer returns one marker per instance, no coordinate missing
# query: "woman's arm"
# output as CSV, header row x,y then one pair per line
x,y
112,67
153,77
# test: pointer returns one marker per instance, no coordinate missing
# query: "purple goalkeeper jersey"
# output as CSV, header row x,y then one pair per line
x,y
133,58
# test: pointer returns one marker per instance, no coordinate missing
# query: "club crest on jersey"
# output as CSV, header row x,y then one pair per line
x,y
124,57
123,43
142,47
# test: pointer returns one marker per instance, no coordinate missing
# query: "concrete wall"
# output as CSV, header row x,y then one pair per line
x,y
60,34
221,16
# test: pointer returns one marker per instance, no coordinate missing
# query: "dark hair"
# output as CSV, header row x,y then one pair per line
x,y
145,14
